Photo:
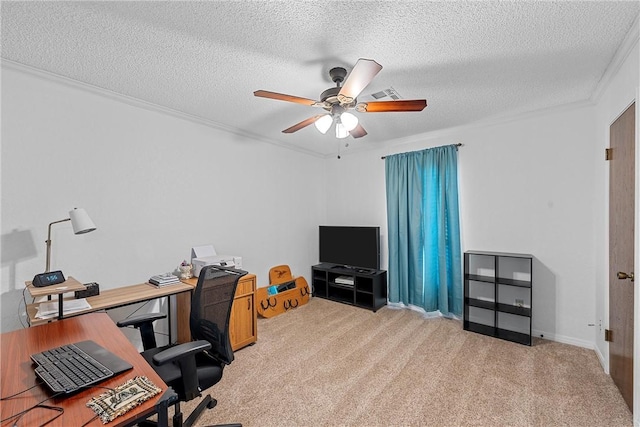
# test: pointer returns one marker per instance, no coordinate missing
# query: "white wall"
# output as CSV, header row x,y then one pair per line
x,y
356,194
154,184
525,186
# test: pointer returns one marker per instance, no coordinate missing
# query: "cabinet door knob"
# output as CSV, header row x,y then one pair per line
x,y
623,276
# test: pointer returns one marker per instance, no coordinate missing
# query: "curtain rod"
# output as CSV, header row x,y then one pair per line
x,y
456,145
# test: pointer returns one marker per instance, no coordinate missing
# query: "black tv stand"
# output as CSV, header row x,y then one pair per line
x,y
361,287
355,269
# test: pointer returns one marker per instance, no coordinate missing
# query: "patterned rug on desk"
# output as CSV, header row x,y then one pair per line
x,y
118,401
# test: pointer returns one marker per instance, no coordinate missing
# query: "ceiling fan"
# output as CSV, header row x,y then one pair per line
x,y
337,101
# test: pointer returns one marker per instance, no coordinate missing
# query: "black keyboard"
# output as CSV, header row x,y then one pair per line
x,y
67,368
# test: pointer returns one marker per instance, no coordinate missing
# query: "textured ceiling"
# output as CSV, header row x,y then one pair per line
x,y
470,60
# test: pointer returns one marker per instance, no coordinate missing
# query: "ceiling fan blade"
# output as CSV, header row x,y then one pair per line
x,y
390,106
358,132
302,124
283,97
363,72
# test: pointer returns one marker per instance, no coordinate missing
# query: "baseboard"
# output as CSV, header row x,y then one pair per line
x,y
602,360
564,339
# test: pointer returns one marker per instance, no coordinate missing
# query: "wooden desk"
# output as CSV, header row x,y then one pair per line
x,y
117,297
18,373
243,325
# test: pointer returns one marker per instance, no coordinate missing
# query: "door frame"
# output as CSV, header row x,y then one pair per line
x,y
636,266
636,243
636,262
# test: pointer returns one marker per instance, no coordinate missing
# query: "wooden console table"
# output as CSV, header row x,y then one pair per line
x,y
243,326
110,298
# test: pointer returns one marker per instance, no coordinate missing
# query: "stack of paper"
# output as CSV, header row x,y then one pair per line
x,y
164,279
49,309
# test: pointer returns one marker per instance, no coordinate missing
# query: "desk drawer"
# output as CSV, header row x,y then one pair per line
x,y
245,286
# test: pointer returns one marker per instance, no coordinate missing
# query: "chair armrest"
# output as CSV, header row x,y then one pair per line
x,y
141,318
144,322
180,351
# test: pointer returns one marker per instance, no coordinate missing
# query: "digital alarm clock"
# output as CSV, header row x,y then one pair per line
x,y
47,279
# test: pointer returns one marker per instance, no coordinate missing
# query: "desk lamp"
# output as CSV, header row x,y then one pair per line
x,y
81,224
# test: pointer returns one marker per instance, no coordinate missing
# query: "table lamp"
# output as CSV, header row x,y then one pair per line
x,y
81,224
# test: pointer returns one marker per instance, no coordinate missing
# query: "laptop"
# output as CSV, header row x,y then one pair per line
x,y
76,366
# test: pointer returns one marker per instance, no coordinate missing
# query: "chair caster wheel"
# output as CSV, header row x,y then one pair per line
x,y
212,404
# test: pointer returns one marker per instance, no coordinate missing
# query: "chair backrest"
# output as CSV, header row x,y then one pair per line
x,y
211,309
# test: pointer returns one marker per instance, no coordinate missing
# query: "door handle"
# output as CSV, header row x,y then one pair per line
x,y
623,276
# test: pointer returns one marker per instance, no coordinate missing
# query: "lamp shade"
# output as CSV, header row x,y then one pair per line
x,y
324,123
349,121
341,131
80,221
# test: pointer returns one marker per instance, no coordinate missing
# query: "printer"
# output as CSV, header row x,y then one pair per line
x,y
206,255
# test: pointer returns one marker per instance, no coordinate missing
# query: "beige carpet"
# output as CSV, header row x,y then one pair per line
x,y
329,364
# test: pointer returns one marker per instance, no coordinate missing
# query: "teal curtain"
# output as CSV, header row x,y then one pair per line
x,y
423,220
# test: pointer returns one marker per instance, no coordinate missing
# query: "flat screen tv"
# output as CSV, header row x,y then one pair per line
x,y
350,246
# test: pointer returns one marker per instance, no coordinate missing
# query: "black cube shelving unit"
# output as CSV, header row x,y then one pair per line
x,y
498,295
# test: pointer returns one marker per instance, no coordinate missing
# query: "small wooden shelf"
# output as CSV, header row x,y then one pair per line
x,y
69,285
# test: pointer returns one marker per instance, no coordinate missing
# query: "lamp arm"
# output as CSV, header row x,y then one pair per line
x,y
48,242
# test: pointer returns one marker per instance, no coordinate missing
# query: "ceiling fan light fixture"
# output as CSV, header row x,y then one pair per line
x,y
335,101
341,131
349,121
324,123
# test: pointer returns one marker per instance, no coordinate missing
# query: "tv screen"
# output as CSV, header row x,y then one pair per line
x,y
350,246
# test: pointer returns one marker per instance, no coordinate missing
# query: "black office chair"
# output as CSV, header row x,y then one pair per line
x,y
195,366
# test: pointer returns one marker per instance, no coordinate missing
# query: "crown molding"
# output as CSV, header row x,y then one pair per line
x,y
626,48
629,44
129,100
454,132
